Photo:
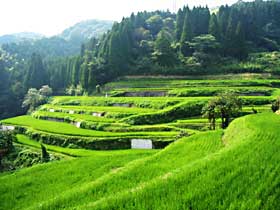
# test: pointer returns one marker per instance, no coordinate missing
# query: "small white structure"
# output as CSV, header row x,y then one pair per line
x,y
78,124
7,128
96,114
52,110
71,112
141,144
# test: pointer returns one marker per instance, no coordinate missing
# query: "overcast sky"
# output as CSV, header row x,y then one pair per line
x,y
50,17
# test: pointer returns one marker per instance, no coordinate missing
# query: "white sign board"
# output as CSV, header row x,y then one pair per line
x,y
78,124
71,112
51,110
141,144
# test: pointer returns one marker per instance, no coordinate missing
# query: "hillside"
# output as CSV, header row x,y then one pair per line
x,y
160,111
68,43
19,37
241,38
17,50
189,166
195,172
85,30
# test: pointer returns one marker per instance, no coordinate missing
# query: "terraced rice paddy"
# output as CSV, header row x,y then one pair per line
x,y
86,119
194,170
209,170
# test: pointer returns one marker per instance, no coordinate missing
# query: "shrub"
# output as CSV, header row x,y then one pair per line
x,y
182,110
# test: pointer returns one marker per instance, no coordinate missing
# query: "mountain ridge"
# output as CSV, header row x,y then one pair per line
x,y
79,32
19,37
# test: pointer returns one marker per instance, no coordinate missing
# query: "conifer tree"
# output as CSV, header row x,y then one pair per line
x,y
164,54
179,24
241,50
187,33
36,75
75,71
214,27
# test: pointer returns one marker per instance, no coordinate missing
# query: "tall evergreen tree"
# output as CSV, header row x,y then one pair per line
x,y
3,89
187,33
214,28
36,75
164,54
241,49
115,58
85,70
179,24
223,19
92,76
76,71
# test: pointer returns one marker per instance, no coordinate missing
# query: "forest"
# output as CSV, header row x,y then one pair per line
x,y
195,41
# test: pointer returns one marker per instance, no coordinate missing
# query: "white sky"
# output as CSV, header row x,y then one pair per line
x,y
50,17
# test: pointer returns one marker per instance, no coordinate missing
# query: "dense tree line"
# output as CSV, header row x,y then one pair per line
x,y
193,41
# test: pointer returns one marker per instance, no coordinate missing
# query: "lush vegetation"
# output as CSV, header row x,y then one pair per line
x,y
201,86
67,129
16,156
24,140
98,122
63,178
23,69
194,41
242,38
195,172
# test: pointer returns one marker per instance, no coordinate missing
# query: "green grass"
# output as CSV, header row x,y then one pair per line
x,y
106,124
91,109
67,129
213,91
140,102
148,102
263,108
25,140
232,169
210,170
167,83
21,190
71,117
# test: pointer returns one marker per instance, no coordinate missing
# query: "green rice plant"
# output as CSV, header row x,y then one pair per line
x,y
25,140
69,117
67,129
183,110
233,80
98,143
213,91
209,170
20,190
98,109
140,102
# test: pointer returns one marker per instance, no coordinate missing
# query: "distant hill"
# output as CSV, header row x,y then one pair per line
x,y
19,37
85,30
67,43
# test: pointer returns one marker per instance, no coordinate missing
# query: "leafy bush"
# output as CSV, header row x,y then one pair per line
x,y
109,143
6,142
182,110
